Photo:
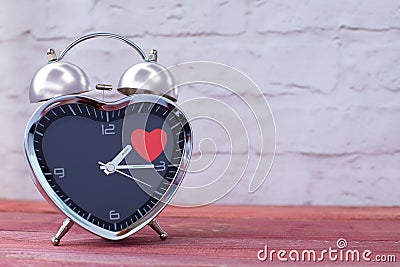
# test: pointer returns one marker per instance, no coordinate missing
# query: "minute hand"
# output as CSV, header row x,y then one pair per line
x,y
125,167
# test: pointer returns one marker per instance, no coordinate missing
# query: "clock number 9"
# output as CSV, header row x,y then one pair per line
x,y
108,130
60,172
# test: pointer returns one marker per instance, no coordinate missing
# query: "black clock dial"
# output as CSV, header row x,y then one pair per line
x,y
74,142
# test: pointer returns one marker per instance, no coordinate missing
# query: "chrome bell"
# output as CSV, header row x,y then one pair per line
x,y
148,77
56,79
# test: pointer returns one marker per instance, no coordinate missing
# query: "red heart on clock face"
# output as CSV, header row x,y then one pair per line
x,y
149,145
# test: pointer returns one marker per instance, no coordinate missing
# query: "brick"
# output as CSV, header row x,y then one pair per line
x,y
372,67
16,181
296,67
324,131
278,66
356,179
21,17
66,19
286,16
23,58
372,15
171,18
15,115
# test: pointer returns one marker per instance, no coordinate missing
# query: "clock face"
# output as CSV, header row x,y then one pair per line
x,y
110,166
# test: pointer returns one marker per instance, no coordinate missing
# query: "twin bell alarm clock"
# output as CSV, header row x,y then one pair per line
x,y
110,167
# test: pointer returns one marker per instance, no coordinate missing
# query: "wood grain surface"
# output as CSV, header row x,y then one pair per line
x,y
206,236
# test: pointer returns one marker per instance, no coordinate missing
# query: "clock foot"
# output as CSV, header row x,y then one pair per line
x,y
67,224
157,228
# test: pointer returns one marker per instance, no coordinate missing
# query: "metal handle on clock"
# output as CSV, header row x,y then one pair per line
x,y
63,78
98,35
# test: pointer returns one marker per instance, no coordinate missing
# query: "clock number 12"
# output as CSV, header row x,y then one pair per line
x,y
108,129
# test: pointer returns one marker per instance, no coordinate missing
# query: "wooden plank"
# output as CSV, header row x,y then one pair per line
x,y
251,212
212,235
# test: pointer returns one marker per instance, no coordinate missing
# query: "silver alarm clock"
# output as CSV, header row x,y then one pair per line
x,y
110,167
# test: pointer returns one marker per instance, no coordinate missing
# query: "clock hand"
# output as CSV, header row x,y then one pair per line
x,y
110,166
127,175
121,155
125,167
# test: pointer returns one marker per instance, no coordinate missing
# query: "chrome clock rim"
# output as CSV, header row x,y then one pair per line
x,y
49,194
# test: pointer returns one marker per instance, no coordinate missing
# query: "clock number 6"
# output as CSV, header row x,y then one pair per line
x,y
60,172
113,215
108,130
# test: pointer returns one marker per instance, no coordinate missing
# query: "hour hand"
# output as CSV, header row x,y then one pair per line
x,y
121,155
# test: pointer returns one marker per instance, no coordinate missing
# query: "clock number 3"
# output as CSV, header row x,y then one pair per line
x,y
160,167
108,129
113,215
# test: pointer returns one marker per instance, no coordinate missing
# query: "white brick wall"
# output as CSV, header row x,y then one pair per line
x,y
329,69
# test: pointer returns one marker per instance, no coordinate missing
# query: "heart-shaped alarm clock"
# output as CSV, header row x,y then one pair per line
x,y
110,167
